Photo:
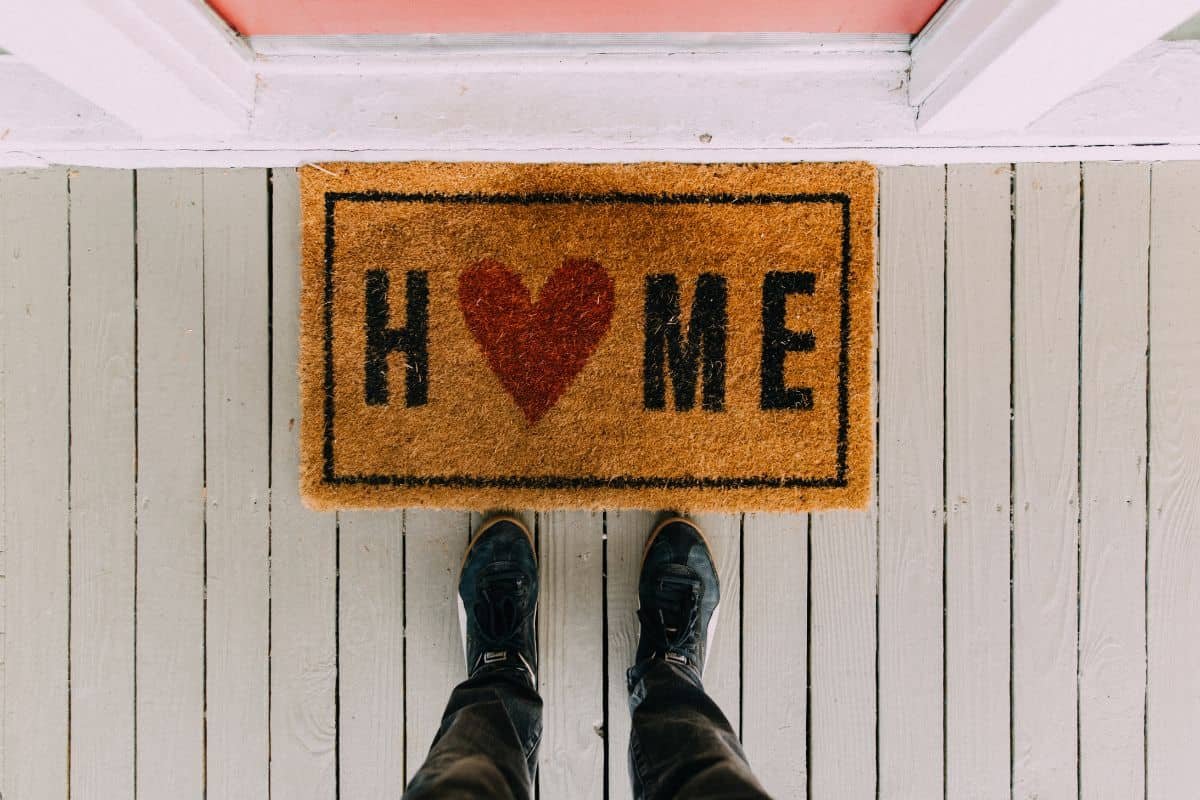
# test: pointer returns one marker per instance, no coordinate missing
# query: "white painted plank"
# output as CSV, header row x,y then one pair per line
x,y
571,654
303,549
625,538
35,491
775,649
1112,634
978,338
371,655
170,488
912,222
1045,479
237,532
723,668
103,459
434,543
1173,651
842,590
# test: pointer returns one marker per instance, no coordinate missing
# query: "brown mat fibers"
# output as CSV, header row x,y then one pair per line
x,y
578,336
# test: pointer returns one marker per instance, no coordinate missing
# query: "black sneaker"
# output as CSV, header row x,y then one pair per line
x,y
678,593
497,600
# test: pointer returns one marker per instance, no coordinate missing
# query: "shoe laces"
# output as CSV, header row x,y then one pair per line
x,y
497,611
674,622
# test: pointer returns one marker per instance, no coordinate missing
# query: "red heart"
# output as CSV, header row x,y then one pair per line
x,y
537,349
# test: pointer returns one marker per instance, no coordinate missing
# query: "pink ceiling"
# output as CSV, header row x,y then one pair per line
x,y
297,17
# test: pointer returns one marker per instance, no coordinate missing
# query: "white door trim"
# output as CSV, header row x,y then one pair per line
x,y
164,67
1001,64
165,83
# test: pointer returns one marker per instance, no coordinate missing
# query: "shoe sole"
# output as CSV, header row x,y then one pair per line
x,y
458,601
709,629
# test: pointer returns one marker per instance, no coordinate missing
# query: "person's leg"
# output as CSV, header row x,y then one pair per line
x,y
487,744
680,745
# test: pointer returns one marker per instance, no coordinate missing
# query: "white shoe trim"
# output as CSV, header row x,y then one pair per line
x,y
708,636
529,669
462,628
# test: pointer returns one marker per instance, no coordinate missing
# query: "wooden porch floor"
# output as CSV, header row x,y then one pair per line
x,y
1015,617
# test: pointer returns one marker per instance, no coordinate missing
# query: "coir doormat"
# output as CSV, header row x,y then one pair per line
x,y
638,335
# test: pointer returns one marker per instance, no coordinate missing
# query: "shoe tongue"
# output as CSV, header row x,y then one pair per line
x,y
501,582
676,593
499,619
499,615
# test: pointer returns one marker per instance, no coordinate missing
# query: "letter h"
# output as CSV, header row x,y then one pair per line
x,y
382,341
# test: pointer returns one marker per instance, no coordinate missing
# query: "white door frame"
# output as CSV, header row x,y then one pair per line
x,y
164,67
165,82
995,64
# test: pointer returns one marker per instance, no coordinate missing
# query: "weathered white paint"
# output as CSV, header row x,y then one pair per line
x,y
165,67
994,65
103,460
1112,610
1173,579
34,483
571,654
237,457
303,549
843,655
1045,452
912,224
170,484
978,337
611,107
842,590
775,677
371,697
625,538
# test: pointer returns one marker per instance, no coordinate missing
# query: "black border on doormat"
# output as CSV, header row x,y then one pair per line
x,y
590,481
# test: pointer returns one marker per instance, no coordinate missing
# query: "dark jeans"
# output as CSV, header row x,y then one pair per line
x,y
680,743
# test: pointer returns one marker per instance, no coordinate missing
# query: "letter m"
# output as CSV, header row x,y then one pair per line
x,y
698,351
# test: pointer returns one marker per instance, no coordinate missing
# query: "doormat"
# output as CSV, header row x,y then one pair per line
x,y
662,336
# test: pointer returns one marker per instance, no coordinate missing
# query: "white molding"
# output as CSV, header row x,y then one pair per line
x,y
692,106
164,67
883,156
540,54
576,45
999,65
533,64
945,42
